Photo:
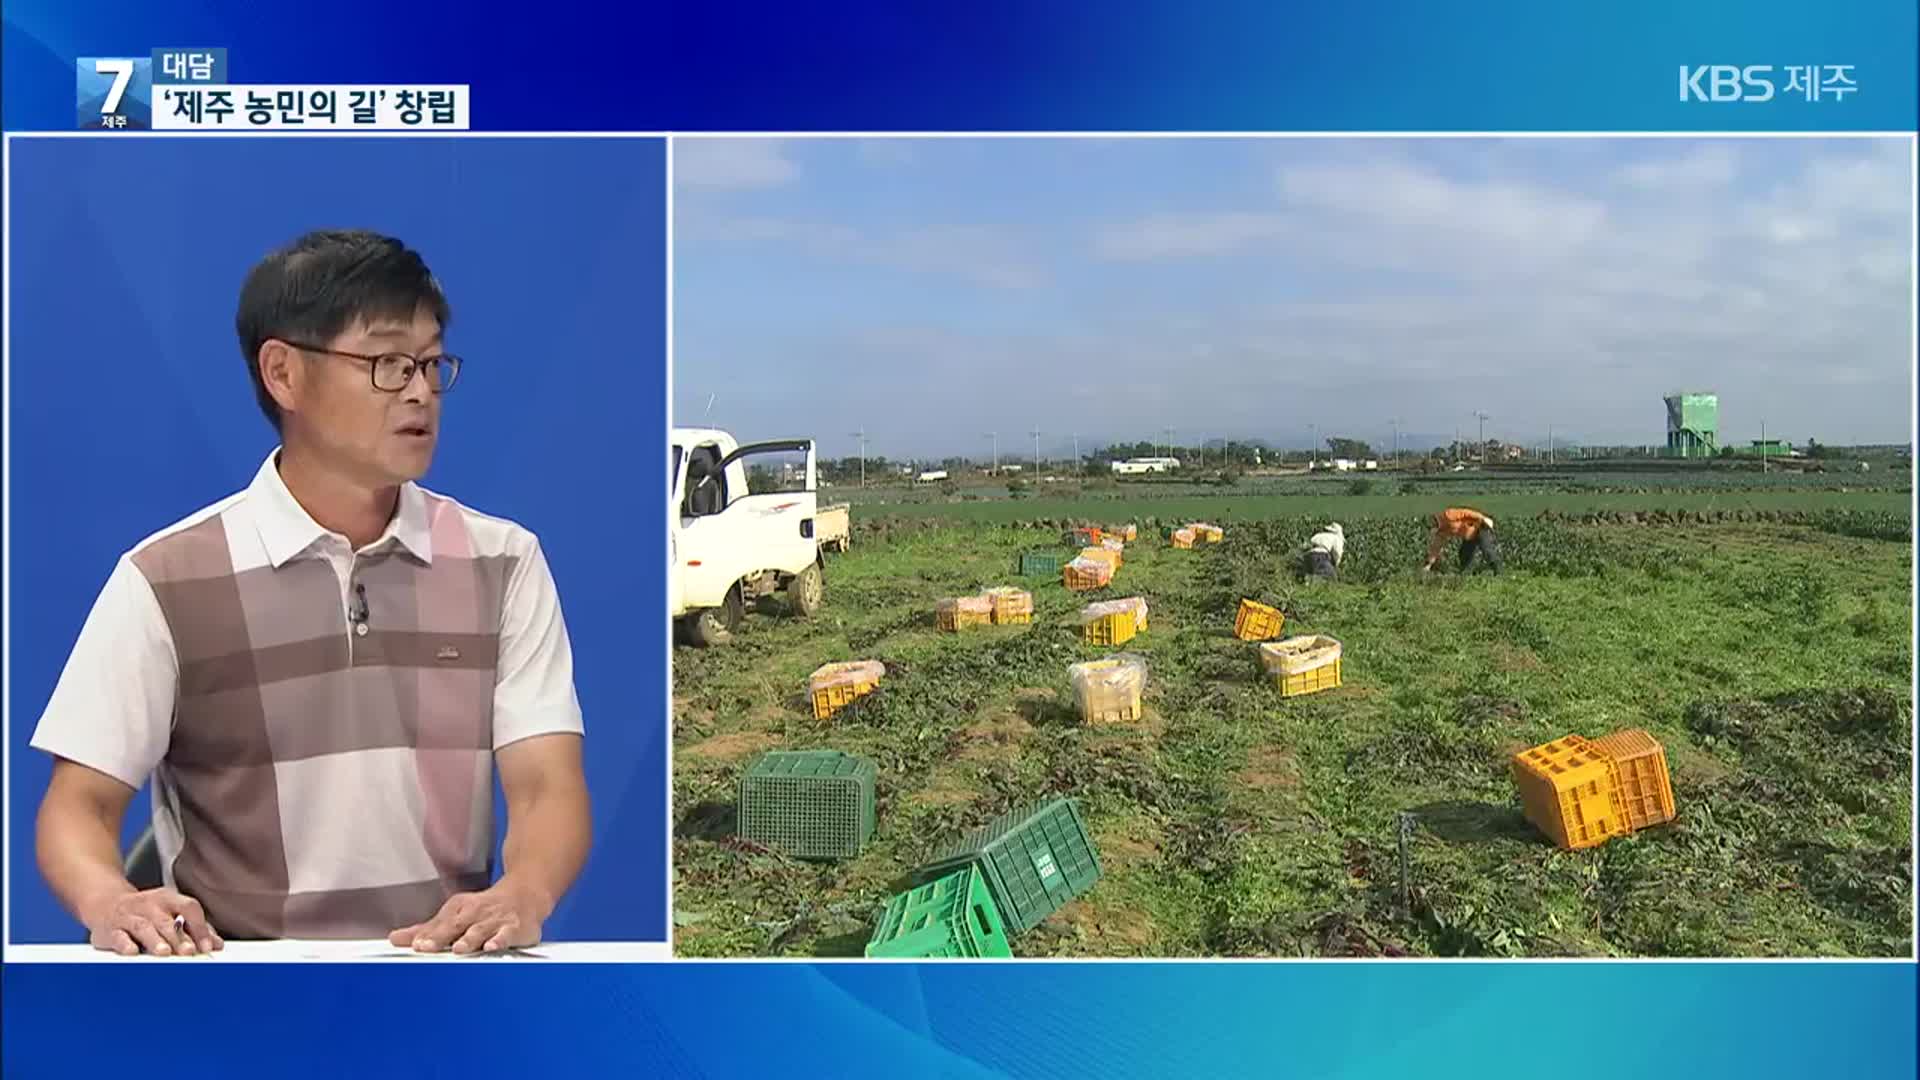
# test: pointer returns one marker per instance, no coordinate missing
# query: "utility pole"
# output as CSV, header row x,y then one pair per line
x,y
1314,446
1483,436
862,436
1036,450
1396,442
1549,445
995,436
1076,453
1168,432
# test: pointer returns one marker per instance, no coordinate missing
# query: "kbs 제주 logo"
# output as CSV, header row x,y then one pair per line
x,y
1756,83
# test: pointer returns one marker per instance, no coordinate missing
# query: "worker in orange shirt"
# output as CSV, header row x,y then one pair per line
x,y
1472,528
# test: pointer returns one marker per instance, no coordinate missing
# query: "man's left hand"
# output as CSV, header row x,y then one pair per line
x,y
501,917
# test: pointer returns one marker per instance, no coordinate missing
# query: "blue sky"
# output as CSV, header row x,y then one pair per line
x,y
932,290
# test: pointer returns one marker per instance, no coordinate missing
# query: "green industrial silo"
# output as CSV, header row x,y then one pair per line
x,y
1693,425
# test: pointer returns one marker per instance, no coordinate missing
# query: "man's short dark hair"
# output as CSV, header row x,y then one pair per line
x,y
317,287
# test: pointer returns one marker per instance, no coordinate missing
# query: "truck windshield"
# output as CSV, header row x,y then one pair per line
x,y
673,473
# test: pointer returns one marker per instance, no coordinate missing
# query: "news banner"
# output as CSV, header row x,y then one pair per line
x,y
188,90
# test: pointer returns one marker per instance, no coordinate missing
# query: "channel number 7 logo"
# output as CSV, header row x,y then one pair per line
x,y
114,93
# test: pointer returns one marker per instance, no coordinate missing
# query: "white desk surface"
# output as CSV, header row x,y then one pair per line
x,y
354,952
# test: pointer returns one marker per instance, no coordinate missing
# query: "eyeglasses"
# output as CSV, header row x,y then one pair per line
x,y
393,372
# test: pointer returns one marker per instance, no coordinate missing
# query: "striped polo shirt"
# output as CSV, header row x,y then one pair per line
x,y
320,769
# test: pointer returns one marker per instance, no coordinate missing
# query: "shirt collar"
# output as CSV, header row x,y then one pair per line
x,y
286,529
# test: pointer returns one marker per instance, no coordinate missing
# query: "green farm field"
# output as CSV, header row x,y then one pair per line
x,y
1771,658
1126,502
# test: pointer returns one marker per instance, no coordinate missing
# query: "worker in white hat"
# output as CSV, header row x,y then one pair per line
x,y
1324,551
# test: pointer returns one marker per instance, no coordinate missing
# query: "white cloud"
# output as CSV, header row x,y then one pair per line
x,y
1425,219
886,153
983,254
732,164
1183,235
1714,165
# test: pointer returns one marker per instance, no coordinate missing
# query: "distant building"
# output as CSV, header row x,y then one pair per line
x,y
1137,466
933,477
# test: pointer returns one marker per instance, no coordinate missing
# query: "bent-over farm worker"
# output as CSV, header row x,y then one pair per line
x,y
1472,528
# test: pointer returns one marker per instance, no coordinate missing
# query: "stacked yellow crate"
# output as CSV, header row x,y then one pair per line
x,y
1112,622
1210,534
1085,575
833,687
959,613
1108,691
1302,665
1011,605
1583,792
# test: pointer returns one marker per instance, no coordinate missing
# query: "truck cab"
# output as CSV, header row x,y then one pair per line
x,y
741,527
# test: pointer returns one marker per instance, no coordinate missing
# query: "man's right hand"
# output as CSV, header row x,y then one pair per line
x,y
136,922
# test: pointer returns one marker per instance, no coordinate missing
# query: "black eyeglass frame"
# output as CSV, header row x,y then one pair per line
x,y
448,364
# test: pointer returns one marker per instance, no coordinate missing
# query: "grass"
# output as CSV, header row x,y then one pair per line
x,y
1773,662
1382,500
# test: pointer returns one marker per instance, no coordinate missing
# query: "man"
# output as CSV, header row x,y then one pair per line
x,y
1475,533
322,672
1323,553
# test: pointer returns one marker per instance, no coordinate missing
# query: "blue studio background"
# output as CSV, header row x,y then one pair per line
x,y
130,407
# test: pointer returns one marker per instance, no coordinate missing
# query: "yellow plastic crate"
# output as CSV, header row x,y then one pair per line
x,y
1111,622
1011,606
1568,790
1128,533
1115,629
1640,774
1084,575
835,686
1302,665
1309,682
1108,691
1210,534
1257,622
959,613
1100,554
1183,538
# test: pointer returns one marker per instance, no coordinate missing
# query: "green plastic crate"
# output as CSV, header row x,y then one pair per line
x,y
1039,564
950,916
1034,860
811,804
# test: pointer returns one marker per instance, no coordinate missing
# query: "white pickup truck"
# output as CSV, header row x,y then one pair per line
x,y
833,527
730,543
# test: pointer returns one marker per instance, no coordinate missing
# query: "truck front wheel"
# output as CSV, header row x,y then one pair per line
x,y
715,626
807,592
